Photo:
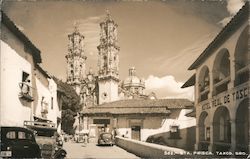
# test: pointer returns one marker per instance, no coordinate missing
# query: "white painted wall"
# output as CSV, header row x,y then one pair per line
x,y
155,127
47,93
111,88
13,110
182,120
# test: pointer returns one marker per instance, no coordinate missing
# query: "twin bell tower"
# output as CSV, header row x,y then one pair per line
x,y
103,87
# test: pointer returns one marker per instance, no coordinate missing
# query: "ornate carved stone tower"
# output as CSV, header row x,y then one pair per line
x,y
76,71
108,62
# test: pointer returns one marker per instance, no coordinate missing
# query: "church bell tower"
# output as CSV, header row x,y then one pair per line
x,y
108,61
76,71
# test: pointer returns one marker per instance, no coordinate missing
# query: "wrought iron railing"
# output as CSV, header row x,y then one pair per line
x,y
222,85
242,75
25,91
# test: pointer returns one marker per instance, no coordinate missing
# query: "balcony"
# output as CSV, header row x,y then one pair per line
x,y
204,95
242,76
237,93
221,85
25,92
44,109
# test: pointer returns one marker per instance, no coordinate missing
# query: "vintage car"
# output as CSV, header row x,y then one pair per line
x,y
18,142
106,138
46,137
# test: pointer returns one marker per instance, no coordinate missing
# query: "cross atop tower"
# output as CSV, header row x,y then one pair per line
x,y
108,14
76,26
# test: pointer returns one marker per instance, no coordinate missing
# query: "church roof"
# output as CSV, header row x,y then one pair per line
x,y
129,110
225,33
35,52
139,106
169,103
132,80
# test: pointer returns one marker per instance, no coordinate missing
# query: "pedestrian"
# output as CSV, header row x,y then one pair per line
x,y
85,139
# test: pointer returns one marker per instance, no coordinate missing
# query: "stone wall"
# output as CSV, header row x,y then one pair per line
x,y
148,150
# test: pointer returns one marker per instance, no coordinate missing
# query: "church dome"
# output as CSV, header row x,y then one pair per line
x,y
133,80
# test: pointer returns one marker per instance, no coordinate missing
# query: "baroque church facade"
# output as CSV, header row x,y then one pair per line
x,y
105,86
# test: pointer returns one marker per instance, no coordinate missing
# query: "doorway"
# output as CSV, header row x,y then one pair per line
x,y
136,132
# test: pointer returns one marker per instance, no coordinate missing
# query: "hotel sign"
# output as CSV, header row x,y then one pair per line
x,y
238,94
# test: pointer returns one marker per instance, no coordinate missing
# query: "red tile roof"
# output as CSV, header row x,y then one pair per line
x,y
170,103
139,106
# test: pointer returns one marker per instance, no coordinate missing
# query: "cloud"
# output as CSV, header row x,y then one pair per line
x,y
167,87
233,6
179,63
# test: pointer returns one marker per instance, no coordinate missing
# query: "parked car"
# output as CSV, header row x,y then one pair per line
x,y
106,139
46,137
18,142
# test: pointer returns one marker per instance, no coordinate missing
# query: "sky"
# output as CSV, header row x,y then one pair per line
x,y
161,39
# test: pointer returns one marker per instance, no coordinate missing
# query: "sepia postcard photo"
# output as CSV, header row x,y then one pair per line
x,y
124,79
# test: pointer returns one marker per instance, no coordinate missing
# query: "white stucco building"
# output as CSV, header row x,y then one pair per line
x,y
26,89
222,89
46,106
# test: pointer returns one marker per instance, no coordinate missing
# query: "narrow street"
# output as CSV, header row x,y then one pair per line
x,y
80,150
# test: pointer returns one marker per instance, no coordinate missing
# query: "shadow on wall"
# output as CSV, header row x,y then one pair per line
x,y
185,140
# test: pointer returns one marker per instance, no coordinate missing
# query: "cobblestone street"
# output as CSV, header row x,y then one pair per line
x,y
80,150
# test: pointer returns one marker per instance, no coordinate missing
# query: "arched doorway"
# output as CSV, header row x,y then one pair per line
x,y
222,129
242,126
204,83
221,71
204,131
242,58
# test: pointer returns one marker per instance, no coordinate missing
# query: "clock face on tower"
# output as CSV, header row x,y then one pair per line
x,y
104,95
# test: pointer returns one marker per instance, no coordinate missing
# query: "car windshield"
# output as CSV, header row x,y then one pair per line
x,y
106,135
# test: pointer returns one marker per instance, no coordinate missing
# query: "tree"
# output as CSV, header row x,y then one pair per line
x,y
70,105
68,121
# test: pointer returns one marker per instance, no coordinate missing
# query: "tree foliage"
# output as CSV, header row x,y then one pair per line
x,y
70,105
